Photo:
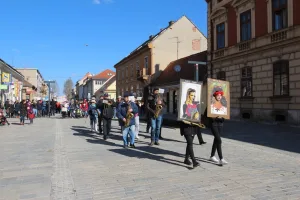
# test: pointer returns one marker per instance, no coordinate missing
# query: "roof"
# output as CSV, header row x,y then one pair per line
x,y
153,37
11,68
106,85
170,76
106,74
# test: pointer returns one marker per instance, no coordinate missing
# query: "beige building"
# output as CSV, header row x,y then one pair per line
x,y
255,45
108,87
143,65
35,78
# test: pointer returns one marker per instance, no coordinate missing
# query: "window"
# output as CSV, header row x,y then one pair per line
x,y
221,36
245,24
221,75
146,64
279,9
281,78
246,82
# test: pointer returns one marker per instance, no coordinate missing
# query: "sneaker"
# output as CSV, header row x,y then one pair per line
x,y
151,143
157,143
187,162
125,146
223,162
214,159
132,146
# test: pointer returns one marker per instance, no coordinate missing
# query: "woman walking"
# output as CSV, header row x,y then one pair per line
x,y
23,112
216,125
188,130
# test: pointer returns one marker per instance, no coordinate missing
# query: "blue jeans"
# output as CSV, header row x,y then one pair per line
x,y
128,130
35,111
155,128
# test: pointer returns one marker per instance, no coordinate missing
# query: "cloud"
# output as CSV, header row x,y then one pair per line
x,y
96,1
102,1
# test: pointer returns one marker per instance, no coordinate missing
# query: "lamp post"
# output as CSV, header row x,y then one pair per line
x,y
49,90
196,63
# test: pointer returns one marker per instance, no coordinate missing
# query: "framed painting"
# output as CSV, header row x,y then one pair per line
x,y
189,106
218,98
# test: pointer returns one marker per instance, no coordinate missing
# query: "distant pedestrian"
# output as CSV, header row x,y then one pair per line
x,y
23,112
94,114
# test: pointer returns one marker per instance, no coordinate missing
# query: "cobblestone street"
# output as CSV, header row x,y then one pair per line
x,y
61,159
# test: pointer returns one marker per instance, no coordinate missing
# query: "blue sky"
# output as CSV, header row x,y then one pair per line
x,y
51,35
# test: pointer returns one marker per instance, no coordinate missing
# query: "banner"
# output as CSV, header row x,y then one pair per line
x,y
5,77
16,84
3,87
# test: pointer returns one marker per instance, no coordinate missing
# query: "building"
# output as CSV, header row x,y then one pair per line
x,y
79,86
11,82
35,78
169,80
27,92
255,45
108,87
143,65
93,83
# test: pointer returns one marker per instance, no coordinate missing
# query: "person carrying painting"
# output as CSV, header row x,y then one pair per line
x,y
191,111
216,125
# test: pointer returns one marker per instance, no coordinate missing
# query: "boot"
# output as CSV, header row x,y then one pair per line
x,y
187,161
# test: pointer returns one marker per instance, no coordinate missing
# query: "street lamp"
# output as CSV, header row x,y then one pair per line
x,y
196,63
49,84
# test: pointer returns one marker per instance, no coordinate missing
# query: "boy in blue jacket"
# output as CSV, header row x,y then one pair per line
x,y
122,112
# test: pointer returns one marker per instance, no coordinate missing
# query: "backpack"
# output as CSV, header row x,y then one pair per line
x,y
108,111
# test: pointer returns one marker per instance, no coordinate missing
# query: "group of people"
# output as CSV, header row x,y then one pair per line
x,y
128,110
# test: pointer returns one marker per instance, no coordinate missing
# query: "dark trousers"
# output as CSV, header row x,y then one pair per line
x,y
39,113
106,126
53,111
100,125
200,138
217,130
22,119
189,153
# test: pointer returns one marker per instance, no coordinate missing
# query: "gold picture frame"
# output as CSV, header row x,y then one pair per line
x,y
218,98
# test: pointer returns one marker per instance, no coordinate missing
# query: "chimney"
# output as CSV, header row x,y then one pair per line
x,y
150,37
171,22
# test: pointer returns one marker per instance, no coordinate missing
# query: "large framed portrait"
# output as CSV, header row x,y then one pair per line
x,y
189,107
218,98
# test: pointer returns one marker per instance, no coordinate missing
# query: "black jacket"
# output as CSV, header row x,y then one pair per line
x,y
107,111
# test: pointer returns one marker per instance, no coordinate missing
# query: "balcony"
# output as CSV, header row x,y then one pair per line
x,y
141,74
219,53
244,46
279,36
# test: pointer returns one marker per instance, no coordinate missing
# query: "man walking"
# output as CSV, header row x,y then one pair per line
x,y
154,102
126,112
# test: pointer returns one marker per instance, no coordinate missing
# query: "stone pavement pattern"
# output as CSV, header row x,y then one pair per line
x,y
62,159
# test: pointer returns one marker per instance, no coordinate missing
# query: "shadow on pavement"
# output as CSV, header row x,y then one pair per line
x,y
275,136
142,155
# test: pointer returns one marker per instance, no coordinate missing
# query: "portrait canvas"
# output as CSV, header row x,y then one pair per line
x,y
218,98
189,107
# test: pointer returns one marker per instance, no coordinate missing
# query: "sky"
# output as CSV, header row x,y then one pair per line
x,y
68,38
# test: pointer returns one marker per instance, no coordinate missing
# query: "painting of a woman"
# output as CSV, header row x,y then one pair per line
x,y
190,107
217,106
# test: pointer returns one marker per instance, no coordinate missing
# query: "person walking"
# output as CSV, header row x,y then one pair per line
x,y
188,130
155,116
107,113
93,112
30,112
23,112
126,112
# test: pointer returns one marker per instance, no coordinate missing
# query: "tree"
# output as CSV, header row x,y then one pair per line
x,y
68,88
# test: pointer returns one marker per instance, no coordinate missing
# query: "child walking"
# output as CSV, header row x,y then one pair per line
x,y
93,113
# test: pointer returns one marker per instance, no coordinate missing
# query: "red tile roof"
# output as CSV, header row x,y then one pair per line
x,y
106,74
170,76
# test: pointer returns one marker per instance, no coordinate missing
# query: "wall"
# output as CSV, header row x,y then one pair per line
x,y
261,18
165,46
131,81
